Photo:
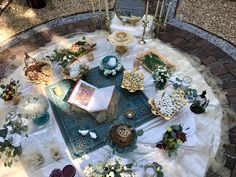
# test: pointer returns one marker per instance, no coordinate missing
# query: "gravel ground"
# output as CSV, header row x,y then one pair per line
x,y
216,16
18,17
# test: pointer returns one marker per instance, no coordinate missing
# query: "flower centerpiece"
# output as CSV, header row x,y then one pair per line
x,y
10,91
172,139
10,141
34,107
114,167
65,56
161,76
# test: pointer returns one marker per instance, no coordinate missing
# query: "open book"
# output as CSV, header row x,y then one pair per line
x,y
91,98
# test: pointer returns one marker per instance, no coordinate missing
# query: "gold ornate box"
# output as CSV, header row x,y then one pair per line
x,y
133,80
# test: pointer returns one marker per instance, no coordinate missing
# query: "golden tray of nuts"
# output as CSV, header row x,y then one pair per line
x,y
133,80
167,104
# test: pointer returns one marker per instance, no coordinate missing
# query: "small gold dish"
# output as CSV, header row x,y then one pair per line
x,y
133,80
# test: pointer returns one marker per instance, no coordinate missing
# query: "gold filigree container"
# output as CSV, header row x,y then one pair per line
x,y
178,95
133,80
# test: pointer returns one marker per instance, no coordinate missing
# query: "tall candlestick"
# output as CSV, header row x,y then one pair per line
x,y
99,6
146,10
167,13
158,2
162,6
93,7
107,11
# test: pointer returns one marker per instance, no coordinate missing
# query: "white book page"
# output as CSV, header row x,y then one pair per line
x,y
101,99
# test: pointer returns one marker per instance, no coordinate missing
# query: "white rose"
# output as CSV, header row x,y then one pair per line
x,y
110,174
2,140
9,128
16,140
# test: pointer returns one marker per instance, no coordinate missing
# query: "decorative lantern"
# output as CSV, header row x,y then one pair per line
x,y
200,103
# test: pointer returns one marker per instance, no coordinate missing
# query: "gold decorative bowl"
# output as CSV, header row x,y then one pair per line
x,y
133,80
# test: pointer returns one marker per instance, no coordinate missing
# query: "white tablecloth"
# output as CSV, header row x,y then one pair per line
x,y
193,157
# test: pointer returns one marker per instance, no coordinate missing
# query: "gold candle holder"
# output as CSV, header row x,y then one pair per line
x,y
145,23
159,25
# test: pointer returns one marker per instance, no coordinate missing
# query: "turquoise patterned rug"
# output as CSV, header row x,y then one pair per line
x,y
72,119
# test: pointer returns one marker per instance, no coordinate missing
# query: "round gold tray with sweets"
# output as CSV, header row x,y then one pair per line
x,y
121,134
133,80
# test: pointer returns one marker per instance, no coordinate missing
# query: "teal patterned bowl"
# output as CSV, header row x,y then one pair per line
x,y
108,68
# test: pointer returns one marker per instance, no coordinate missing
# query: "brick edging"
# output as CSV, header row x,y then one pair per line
x,y
219,63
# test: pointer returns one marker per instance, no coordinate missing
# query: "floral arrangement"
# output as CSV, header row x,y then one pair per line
x,y
172,139
114,167
9,91
161,76
10,141
65,56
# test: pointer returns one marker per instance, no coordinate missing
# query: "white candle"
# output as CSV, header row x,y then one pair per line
x,y
150,172
106,7
99,6
93,7
162,6
167,13
158,2
146,10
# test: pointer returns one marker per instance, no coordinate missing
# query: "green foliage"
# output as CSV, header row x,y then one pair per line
x,y
152,62
161,76
172,139
7,150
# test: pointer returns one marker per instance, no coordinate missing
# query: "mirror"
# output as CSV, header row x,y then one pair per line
x,y
130,11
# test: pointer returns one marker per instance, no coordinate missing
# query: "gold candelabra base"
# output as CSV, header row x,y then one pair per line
x,y
159,25
142,41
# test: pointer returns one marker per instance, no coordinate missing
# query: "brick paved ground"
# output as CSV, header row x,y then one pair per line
x,y
219,63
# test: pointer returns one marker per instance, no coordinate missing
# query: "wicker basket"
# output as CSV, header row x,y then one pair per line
x,y
122,134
